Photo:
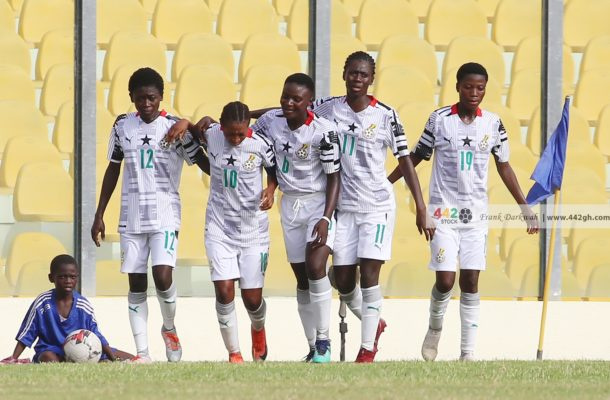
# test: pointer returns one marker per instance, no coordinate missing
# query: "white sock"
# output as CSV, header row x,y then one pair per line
x,y
307,318
470,309
320,293
258,317
227,319
438,306
353,300
167,301
138,319
371,310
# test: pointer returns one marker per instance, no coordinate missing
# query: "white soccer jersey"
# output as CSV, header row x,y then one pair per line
x,y
459,171
364,138
304,155
233,214
151,175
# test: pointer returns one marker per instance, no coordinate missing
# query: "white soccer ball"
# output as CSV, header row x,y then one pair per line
x,y
82,346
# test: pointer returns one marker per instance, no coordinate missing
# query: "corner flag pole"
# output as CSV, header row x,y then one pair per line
x,y
547,278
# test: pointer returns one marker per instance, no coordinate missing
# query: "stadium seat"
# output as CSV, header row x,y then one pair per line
x,y
192,190
510,122
238,19
263,85
596,55
524,94
109,281
212,109
497,191
585,20
521,156
13,158
6,289
191,249
173,18
409,280
408,51
279,278
7,17
448,19
56,47
592,92
104,121
598,282
515,20
63,130
119,15
15,84
449,94
602,132
493,283
202,49
523,253
15,51
25,120
527,56
578,235
20,252
530,284
579,130
268,49
134,48
214,5
586,155
489,8
298,22
16,6
113,210
33,279
149,6
379,19
478,49
591,253
41,16
282,7
201,83
421,8
398,85
414,116
58,88
43,177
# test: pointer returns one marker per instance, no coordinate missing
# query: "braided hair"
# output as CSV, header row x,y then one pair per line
x,y
235,111
359,56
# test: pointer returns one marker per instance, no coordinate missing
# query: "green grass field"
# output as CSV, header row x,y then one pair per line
x,y
393,380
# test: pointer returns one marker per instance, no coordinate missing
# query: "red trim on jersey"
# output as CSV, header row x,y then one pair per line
x,y
454,110
310,117
163,113
249,134
374,101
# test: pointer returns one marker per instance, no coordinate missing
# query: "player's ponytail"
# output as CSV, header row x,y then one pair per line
x,y
235,111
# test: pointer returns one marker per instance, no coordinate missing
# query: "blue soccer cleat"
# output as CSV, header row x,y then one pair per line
x,y
322,353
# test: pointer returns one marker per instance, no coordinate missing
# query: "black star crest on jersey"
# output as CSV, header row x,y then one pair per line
x,y
286,146
231,160
146,140
352,127
467,141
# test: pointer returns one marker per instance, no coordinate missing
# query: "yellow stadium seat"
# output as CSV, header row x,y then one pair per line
x,y
279,278
524,94
15,51
16,6
211,109
113,210
448,19
592,92
263,85
33,279
56,47
591,253
104,121
353,6
63,131
492,254
268,49
570,289
515,20
585,20
586,155
134,48
109,281
489,8
192,190
510,122
6,289
421,8
7,17
21,251
282,7
528,56
498,193
25,120
449,94
191,250
530,284
465,49
398,85
173,18
15,84
238,19
341,46
409,280
408,51
298,22
41,16
597,54
58,88
578,235
379,19
602,133
149,6
493,283
202,49
599,282
579,130
214,5
201,83
119,15
43,177
414,116
523,253
13,158
521,156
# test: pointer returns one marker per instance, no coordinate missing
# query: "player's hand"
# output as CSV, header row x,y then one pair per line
x,y
531,219
203,125
98,229
319,234
425,224
266,199
9,360
177,131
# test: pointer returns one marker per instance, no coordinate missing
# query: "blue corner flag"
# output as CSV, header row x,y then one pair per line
x,y
549,170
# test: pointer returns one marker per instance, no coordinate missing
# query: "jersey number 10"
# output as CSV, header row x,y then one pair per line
x,y
230,178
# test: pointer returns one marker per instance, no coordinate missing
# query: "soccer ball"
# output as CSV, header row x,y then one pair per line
x,y
82,346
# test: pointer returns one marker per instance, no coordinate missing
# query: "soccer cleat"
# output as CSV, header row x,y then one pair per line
x,y
365,356
467,356
236,358
139,359
173,349
380,328
259,345
429,348
322,352
309,355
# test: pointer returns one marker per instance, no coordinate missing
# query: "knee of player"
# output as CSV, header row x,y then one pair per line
x,y
469,281
444,283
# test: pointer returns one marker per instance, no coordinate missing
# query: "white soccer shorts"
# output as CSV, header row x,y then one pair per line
x,y
469,244
162,247
299,215
230,262
363,235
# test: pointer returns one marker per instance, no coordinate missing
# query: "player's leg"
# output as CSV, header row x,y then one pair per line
x,y
49,356
320,292
164,246
345,260
121,355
